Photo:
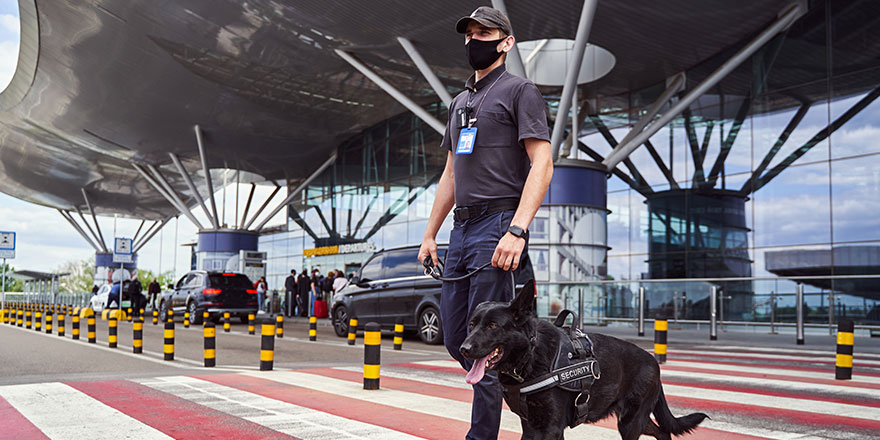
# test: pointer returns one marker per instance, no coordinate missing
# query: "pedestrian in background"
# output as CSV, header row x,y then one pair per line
x,y
290,294
261,292
303,287
339,282
153,290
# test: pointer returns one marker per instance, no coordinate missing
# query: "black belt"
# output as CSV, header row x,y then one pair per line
x,y
467,212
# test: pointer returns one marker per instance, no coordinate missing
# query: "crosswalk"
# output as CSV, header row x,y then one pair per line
x,y
748,393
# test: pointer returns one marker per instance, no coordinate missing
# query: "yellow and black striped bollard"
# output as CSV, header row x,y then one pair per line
x,y
313,328
169,340
141,312
74,324
206,316
185,319
352,330
251,329
169,317
845,340
28,319
267,344
61,324
20,315
279,325
137,342
155,317
226,322
91,323
38,320
660,327
112,338
372,355
210,344
49,320
398,334
129,314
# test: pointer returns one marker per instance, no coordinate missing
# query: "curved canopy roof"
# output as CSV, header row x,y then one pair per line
x,y
102,84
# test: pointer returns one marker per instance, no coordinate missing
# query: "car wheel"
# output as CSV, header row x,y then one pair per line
x,y
430,330
195,318
340,321
163,311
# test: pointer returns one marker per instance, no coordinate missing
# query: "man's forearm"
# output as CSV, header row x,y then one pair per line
x,y
444,200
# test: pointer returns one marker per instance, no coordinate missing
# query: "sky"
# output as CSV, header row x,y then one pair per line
x,y
45,241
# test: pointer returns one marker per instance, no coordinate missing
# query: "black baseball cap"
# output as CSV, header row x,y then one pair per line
x,y
486,16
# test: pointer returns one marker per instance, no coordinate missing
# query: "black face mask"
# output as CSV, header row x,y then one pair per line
x,y
481,54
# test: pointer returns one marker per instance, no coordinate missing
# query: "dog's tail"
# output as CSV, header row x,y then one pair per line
x,y
670,423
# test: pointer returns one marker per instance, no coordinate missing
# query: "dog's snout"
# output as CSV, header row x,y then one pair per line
x,y
465,349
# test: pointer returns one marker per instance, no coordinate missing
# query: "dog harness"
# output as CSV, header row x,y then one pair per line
x,y
574,369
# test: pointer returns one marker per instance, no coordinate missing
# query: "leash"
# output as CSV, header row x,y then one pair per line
x,y
437,273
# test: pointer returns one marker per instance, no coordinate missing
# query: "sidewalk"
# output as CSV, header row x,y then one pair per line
x,y
757,337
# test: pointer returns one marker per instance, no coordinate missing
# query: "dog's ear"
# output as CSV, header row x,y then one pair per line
x,y
523,305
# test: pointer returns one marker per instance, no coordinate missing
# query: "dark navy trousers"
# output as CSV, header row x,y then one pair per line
x,y
472,244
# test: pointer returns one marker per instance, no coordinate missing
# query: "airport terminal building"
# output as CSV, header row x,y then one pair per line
x,y
726,148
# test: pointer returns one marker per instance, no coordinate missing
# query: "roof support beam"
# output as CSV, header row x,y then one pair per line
x,y
699,176
728,142
571,74
101,241
138,232
516,63
299,188
149,230
422,114
163,192
247,205
263,206
818,137
183,208
423,67
152,234
788,16
214,219
191,185
606,133
674,85
82,233
86,222
535,52
783,138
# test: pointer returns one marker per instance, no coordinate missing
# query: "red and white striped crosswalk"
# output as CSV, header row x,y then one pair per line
x,y
747,393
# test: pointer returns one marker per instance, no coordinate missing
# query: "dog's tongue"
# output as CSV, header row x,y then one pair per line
x,y
477,370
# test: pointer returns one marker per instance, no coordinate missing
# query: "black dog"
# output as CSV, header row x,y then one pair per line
x,y
509,338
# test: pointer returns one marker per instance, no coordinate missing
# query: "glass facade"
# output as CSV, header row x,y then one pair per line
x,y
775,164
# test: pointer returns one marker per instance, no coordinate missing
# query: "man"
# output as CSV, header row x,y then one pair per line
x,y
290,296
154,290
134,295
303,286
498,168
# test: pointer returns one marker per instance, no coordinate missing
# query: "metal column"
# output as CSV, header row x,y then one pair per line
x,y
713,305
423,67
515,66
293,193
641,311
204,159
571,74
799,312
191,185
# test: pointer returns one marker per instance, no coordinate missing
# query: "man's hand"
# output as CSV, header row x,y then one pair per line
x,y
508,251
429,247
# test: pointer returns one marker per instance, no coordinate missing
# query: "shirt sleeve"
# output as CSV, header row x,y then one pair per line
x,y
447,136
531,117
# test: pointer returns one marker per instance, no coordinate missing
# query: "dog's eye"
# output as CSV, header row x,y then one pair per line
x,y
492,325
471,325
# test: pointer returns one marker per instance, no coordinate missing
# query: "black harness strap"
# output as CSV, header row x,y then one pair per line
x,y
574,369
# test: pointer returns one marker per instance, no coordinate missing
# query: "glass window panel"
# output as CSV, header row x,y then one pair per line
x,y
856,199
794,208
373,269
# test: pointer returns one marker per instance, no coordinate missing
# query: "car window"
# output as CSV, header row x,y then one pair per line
x,y
198,280
230,280
402,263
182,281
373,269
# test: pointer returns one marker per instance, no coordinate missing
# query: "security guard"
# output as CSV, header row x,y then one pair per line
x,y
497,171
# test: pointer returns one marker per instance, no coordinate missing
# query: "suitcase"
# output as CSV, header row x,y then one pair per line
x,y
320,308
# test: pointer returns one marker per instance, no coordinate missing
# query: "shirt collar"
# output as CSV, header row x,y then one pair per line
x,y
484,81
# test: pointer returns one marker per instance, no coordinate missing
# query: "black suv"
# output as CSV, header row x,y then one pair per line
x,y
390,285
215,292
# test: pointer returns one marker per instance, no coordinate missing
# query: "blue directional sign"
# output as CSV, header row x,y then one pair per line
x,y
122,250
7,244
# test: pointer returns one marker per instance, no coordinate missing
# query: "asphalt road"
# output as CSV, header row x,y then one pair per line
x,y
30,357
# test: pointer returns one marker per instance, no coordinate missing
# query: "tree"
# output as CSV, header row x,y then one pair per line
x,y
81,276
12,285
147,276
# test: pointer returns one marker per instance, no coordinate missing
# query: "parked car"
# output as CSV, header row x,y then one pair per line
x,y
98,301
391,285
216,292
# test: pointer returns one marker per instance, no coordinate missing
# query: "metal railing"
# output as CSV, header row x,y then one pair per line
x,y
771,302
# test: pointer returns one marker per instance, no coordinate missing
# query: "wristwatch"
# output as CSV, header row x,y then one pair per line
x,y
517,231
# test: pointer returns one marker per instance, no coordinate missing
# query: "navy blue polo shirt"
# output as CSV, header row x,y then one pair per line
x,y
513,110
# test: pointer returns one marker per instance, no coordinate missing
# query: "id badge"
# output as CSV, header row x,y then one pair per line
x,y
466,139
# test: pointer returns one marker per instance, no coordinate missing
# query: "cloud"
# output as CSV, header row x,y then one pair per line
x,y
8,62
10,23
